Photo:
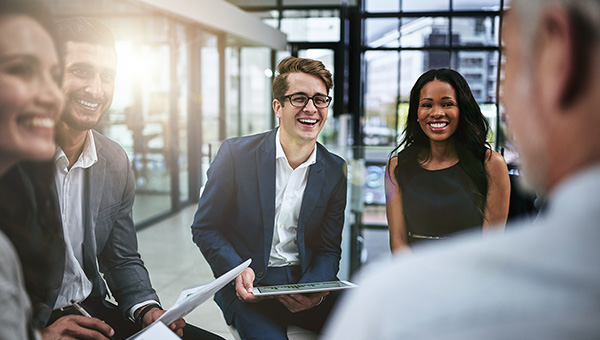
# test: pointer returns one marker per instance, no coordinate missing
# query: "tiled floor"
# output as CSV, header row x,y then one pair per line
x,y
175,263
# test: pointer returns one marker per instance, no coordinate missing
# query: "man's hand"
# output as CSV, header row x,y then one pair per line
x,y
155,313
244,286
300,302
73,327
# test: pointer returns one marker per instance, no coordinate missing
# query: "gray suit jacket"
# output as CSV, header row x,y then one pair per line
x,y
110,236
16,309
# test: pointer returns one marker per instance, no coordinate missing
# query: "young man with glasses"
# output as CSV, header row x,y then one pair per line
x,y
277,198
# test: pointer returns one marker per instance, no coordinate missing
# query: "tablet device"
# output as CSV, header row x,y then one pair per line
x,y
300,288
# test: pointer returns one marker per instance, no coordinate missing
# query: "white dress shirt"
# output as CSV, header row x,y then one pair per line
x,y
289,191
69,185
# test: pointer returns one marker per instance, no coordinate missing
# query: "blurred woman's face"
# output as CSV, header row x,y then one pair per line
x,y
438,111
30,95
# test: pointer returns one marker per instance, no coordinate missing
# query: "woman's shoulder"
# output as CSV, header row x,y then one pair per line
x,y
392,163
494,162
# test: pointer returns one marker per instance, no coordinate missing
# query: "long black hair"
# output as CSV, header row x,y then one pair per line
x,y
469,139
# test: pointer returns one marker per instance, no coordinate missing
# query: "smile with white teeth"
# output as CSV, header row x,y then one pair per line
x,y
88,104
43,122
307,121
438,125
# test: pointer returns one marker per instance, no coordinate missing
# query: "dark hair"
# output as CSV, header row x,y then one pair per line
x,y
28,208
29,218
86,30
304,65
469,138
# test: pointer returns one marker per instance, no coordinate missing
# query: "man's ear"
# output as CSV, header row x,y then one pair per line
x,y
561,51
277,107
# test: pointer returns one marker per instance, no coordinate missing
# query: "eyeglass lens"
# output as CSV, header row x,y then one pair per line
x,y
300,100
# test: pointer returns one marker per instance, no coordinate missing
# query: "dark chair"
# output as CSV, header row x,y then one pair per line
x,y
522,204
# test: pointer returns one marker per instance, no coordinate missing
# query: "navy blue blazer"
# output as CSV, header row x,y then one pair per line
x,y
236,213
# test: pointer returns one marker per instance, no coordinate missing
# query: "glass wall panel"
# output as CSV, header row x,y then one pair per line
x,y
476,5
139,116
149,126
382,32
425,6
209,60
311,25
256,90
182,111
424,31
382,6
232,92
380,97
477,31
480,69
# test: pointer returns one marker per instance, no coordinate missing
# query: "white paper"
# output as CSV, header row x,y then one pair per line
x,y
156,331
191,298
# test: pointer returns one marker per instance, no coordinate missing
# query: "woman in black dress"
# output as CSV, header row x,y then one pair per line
x,y
445,178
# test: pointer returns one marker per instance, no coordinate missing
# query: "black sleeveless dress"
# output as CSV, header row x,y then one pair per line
x,y
437,203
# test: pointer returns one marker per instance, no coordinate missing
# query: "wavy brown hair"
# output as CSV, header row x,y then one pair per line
x,y
303,65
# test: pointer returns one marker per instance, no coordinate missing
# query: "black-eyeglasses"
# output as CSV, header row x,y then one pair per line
x,y
300,100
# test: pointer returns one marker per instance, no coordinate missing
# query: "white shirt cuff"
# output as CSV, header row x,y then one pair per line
x,y
138,306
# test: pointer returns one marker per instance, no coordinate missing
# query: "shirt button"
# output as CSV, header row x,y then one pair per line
x,y
259,274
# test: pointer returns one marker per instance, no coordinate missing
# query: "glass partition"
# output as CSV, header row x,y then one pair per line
x,y
232,92
256,90
209,61
381,97
424,32
181,70
311,25
425,6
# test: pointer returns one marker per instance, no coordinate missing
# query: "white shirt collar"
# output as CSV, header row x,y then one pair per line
x,y
88,157
279,153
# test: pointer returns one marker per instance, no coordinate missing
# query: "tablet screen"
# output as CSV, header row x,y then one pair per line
x,y
303,288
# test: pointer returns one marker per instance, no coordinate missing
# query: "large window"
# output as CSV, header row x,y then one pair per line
x,y
209,60
311,25
404,38
256,90
139,118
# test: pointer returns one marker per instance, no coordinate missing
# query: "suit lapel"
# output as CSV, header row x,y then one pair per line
x,y
265,169
94,184
312,193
